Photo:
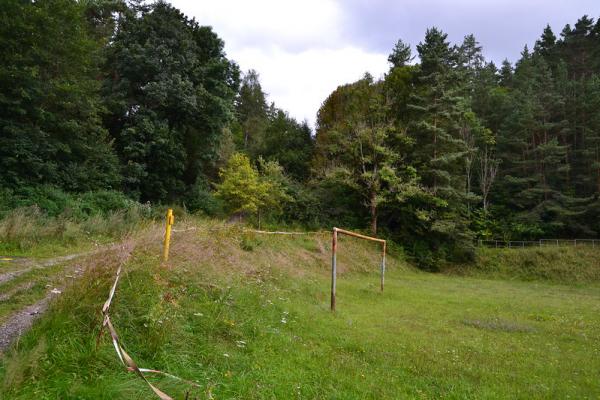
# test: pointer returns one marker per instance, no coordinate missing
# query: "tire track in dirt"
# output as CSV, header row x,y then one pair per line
x,y
31,264
20,321
20,288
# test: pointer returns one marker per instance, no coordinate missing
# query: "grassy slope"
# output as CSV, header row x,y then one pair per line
x,y
254,324
573,265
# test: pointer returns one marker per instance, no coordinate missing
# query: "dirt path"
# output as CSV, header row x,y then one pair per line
x,y
20,288
28,264
22,320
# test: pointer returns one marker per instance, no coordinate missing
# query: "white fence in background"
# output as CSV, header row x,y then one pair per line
x,y
538,243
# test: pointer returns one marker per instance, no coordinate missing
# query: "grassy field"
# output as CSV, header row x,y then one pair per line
x,y
247,317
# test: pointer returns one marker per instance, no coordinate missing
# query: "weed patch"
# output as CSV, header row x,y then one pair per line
x,y
499,325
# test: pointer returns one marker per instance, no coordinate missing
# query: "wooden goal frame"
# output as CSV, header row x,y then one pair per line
x,y
337,231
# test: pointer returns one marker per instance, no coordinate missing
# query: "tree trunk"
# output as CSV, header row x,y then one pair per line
x,y
434,153
373,211
259,219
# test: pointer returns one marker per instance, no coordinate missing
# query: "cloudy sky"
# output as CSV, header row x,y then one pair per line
x,y
304,49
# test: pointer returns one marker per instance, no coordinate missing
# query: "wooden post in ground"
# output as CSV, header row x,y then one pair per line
x,y
383,266
333,267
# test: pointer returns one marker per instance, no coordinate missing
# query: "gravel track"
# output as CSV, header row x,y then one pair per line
x,y
22,320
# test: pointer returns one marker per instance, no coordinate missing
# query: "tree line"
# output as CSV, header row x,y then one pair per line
x,y
444,148
453,147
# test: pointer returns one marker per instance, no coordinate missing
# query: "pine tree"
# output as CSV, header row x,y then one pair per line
x,y
438,110
251,110
506,74
439,114
401,55
546,45
289,143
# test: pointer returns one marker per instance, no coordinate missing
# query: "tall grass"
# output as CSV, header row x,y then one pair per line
x,y
28,229
45,217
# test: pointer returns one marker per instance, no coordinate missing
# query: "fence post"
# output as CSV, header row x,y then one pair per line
x,y
170,221
383,266
333,267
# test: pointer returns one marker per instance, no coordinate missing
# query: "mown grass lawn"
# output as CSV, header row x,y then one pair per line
x,y
269,334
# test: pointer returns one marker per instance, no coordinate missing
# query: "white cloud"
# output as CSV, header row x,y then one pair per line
x,y
300,82
268,22
304,49
298,48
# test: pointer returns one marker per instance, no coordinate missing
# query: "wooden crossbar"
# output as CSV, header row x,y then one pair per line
x,y
358,235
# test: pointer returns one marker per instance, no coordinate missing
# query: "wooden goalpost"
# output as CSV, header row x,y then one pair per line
x,y
334,256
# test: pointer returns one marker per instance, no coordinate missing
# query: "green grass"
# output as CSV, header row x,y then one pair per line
x,y
568,264
28,288
247,317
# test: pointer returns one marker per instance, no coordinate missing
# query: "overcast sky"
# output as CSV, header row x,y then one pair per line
x,y
304,49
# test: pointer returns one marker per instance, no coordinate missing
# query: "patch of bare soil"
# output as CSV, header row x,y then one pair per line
x,y
22,320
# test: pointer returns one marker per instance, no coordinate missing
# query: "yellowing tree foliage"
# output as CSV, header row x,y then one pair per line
x,y
245,191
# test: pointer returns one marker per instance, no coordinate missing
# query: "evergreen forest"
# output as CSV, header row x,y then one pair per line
x,y
134,101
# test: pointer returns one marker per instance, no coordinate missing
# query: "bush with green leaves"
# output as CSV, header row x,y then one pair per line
x,y
200,199
245,191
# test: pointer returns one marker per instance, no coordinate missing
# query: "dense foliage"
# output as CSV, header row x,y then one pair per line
x,y
169,91
50,104
109,96
480,151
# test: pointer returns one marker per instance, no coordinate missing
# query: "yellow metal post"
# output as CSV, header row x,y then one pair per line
x,y
170,222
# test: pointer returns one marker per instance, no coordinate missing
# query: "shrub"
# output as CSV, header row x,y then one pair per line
x,y
103,202
49,199
199,198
